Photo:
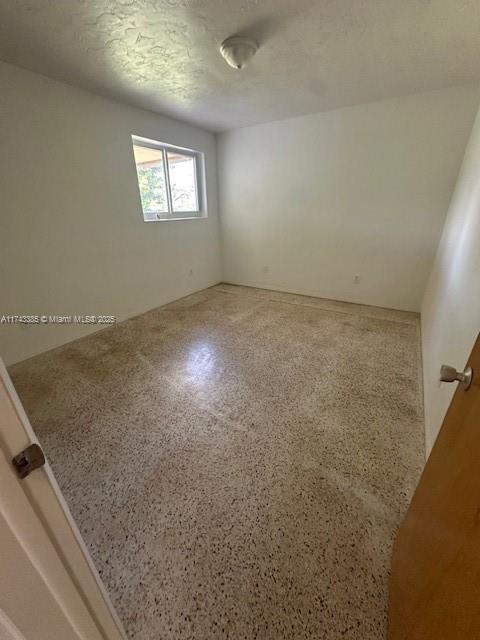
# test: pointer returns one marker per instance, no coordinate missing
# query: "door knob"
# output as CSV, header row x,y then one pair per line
x,y
450,374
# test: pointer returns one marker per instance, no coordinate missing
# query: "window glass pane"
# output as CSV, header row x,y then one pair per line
x,y
151,180
182,181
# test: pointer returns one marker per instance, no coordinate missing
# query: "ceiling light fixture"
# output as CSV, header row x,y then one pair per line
x,y
237,51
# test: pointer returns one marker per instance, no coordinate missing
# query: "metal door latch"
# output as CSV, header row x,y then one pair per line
x,y
450,374
28,460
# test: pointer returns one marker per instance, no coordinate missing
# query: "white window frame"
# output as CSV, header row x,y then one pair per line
x,y
200,184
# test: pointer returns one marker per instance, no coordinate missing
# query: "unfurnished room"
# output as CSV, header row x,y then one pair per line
x,y
239,320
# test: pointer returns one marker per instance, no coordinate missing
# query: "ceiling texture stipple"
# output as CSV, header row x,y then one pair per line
x,y
314,55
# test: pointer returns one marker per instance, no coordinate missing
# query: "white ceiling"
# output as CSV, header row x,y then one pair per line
x,y
314,55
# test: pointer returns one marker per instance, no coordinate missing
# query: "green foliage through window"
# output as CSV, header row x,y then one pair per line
x,y
151,181
167,180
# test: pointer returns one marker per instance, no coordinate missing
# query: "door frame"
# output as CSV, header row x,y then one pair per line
x,y
35,512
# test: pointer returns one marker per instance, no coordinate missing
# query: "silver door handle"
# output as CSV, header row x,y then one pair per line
x,y
450,374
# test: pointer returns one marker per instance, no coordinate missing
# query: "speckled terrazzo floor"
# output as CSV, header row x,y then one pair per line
x,y
238,461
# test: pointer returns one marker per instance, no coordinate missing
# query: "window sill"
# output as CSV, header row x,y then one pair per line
x,y
174,219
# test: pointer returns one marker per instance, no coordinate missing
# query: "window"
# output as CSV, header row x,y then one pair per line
x,y
170,180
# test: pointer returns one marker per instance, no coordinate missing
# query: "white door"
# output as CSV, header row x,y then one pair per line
x,y
49,587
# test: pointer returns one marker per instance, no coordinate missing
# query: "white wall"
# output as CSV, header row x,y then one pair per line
x,y
72,236
451,306
308,203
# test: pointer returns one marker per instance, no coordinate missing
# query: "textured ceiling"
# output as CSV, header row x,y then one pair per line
x,y
314,55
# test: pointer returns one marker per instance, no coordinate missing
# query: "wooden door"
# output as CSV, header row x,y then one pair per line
x,y
435,579
49,588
